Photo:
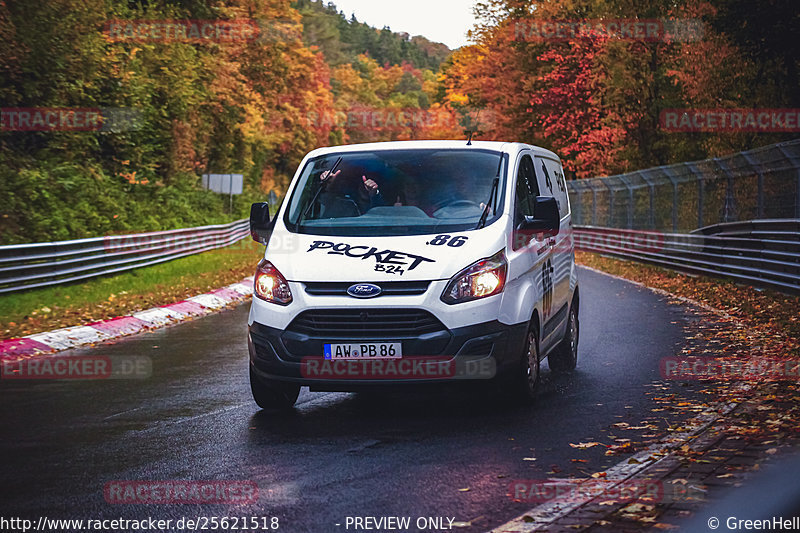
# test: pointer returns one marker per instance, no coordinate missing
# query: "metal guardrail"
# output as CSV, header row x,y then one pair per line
x,y
27,266
761,253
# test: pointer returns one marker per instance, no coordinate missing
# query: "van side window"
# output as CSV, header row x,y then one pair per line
x,y
527,187
547,179
554,179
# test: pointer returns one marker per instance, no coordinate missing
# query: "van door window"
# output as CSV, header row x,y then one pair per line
x,y
527,188
554,181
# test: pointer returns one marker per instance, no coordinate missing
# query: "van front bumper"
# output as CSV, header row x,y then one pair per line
x,y
470,353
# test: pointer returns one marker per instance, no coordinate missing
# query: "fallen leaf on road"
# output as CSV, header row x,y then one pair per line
x,y
584,445
637,508
619,448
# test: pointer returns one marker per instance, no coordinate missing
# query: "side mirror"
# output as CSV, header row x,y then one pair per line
x,y
546,218
260,228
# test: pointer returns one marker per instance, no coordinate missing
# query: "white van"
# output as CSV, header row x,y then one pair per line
x,y
414,262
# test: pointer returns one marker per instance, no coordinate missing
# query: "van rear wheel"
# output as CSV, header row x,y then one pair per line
x,y
273,395
564,357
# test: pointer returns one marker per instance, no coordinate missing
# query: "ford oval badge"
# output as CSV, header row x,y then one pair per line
x,y
364,290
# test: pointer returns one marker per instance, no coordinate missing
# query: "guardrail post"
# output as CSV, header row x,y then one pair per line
x,y
624,180
580,205
729,210
760,198
610,222
701,193
651,219
668,172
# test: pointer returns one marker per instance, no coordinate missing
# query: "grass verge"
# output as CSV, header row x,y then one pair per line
x,y
55,307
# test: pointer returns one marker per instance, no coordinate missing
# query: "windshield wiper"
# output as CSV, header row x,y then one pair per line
x,y
495,184
320,189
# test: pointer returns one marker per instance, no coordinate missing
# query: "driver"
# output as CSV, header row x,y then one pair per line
x,y
460,190
339,199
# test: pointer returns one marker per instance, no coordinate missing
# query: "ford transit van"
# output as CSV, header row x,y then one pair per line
x,y
414,262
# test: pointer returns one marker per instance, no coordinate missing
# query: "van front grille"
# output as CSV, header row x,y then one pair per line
x,y
365,323
391,288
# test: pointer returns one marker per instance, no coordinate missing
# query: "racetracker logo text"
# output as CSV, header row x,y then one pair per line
x,y
621,491
407,368
86,367
185,31
180,492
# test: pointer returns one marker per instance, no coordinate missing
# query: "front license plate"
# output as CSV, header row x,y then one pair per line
x,y
367,350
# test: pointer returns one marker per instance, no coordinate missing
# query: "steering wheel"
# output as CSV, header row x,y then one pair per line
x,y
455,203
462,203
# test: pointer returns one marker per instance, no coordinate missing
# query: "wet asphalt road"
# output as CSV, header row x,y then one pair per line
x,y
337,455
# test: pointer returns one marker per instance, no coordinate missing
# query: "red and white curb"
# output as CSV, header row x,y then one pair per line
x,y
157,317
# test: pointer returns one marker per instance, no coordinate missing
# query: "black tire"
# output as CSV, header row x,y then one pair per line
x,y
527,378
564,358
273,395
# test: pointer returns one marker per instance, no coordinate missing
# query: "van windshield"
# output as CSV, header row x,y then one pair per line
x,y
397,192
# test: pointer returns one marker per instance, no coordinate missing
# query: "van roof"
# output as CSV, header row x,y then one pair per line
x,y
448,144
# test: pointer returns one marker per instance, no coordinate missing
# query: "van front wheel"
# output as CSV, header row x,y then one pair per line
x,y
273,395
528,375
565,357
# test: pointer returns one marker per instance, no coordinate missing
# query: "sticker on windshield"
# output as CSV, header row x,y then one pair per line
x,y
389,261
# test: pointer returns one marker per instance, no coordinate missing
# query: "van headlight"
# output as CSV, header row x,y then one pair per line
x,y
482,279
270,285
